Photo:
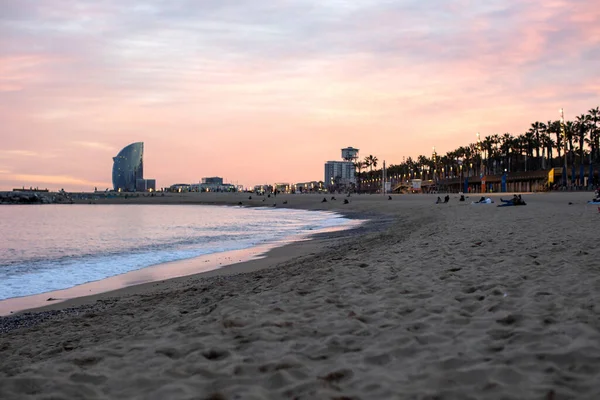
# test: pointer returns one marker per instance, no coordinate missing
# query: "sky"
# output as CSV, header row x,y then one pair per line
x,y
266,91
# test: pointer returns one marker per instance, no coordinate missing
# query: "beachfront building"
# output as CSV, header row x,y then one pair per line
x,y
342,173
260,189
339,173
282,187
212,184
308,187
179,188
128,167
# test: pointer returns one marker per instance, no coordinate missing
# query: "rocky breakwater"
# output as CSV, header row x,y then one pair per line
x,y
34,198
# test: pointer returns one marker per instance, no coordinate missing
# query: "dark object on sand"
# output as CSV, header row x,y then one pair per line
x,y
462,197
285,202
275,205
515,201
570,203
240,203
332,197
249,197
447,198
324,200
346,201
269,196
389,197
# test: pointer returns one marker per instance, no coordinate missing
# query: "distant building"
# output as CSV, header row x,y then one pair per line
x,y
145,185
339,172
313,186
213,184
282,187
349,154
128,170
215,180
128,167
263,189
179,187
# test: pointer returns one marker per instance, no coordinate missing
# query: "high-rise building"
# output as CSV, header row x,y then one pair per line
x,y
339,172
128,167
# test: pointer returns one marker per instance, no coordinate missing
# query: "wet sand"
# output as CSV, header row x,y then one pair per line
x,y
451,301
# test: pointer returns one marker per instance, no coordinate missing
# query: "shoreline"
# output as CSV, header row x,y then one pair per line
x,y
32,316
148,278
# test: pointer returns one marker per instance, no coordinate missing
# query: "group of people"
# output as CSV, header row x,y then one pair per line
x,y
517,200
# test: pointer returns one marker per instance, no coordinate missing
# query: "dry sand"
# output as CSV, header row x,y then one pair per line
x,y
452,301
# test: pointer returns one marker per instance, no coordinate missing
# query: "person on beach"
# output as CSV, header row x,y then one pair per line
x,y
515,201
439,200
462,197
447,198
484,200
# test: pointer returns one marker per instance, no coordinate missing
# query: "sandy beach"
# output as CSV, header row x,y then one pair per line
x,y
425,301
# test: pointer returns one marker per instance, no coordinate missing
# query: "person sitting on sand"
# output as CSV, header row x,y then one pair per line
x,y
447,198
439,200
324,200
519,201
462,197
346,201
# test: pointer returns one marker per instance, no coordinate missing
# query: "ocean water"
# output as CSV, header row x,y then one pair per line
x,y
50,247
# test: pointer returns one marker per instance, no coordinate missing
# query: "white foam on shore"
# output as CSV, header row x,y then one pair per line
x,y
35,276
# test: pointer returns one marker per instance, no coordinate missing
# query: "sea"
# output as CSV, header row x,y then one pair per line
x,y
45,248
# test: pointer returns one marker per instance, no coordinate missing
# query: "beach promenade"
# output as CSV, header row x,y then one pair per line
x,y
425,301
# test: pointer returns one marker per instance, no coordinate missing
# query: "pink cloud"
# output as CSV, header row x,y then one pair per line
x,y
392,82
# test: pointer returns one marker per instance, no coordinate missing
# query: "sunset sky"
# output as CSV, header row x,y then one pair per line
x,y
266,91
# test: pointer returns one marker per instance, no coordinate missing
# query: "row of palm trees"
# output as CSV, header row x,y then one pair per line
x,y
543,146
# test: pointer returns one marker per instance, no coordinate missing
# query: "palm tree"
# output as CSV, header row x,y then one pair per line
x,y
581,129
528,141
486,146
422,161
570,134
505,146
548,144
359,166
371,162
559,139
367,162
535,129
594,141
